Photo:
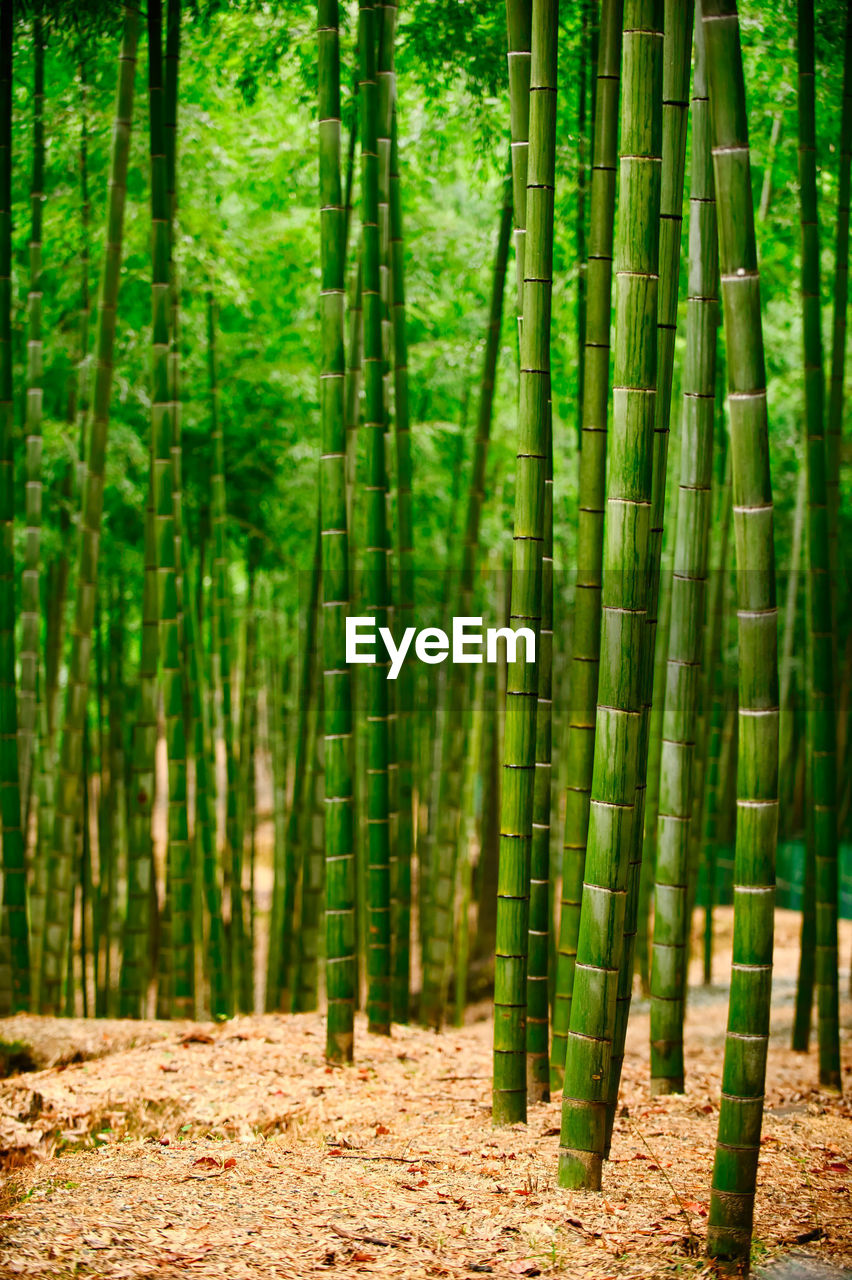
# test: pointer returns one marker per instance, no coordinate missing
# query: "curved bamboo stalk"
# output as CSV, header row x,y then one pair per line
x,y
438,950
743,1075
613,808
670,953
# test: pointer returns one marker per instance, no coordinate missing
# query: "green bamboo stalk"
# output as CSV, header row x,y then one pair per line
x,y
585,652
821,740
222,625
14,914
30,581
670,955
766,189
652,789
279,978
115,827
181,999
583,59
474,732
277,673
337,689
307,979
716,694
247,797
68,794
509,1097
519,30
377,543
141,886
834,426
617,766
438,952
539,930
786,755
205,800
401,961
678,22
744,1070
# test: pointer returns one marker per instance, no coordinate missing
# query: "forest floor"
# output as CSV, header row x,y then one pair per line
x,y
235,1150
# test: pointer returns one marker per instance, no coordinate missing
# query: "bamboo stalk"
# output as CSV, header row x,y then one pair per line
x,y
744,1070
624,603
509,1098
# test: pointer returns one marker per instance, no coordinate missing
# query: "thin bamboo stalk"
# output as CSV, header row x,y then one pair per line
x,y
509,1096
821,737
585,650
744,1070
670,955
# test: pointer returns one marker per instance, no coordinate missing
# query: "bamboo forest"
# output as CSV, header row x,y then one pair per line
x,y
425,638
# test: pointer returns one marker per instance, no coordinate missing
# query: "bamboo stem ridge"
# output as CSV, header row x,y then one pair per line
x,y
670,953
337,694
30,580
14,869
59,897
624,603
509,1102
744,1071
376,549
821,737
585,653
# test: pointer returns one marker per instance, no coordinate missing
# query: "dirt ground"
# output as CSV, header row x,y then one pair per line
x,y
237,1151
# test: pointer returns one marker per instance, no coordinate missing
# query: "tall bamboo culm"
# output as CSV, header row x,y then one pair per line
x,y
31,578
439,948
57,925
744,1070
14,923
375,585
401,960
670,954
834,426
624,600
337,697
821,736
585,652
509,1100
179,863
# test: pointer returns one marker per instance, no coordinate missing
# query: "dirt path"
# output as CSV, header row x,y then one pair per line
x,y
236,1151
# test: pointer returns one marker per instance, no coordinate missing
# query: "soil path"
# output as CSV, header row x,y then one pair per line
x,y
237,1151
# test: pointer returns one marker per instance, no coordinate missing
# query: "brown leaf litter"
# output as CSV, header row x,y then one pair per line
x,y
237,1151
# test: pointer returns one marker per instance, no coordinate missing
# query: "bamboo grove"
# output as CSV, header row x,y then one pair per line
x,y
225,437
